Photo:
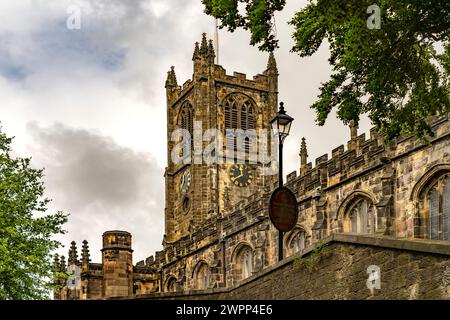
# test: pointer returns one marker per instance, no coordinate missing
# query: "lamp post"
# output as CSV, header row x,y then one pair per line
x,y
281,124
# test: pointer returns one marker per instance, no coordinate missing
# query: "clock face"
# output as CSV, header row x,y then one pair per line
x,y
241,175
185,181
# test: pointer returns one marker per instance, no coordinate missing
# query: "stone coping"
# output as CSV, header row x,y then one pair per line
x,y
408,244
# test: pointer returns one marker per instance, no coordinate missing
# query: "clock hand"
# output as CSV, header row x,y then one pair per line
x,y
235,178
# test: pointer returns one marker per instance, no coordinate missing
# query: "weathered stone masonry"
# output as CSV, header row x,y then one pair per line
x,y
222,236
418,269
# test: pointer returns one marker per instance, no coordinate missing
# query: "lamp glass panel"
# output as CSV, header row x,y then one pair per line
x,y
274,124
287,128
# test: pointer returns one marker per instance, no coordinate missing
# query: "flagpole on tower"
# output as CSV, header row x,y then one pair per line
x,y
216,36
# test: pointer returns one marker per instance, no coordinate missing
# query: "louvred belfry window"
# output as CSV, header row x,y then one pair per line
x,y
186,122
239,114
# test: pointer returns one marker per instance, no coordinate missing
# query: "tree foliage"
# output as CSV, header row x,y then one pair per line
x,y
256,17
398,74
26,232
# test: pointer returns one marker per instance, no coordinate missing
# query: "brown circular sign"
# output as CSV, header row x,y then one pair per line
x,y
283,209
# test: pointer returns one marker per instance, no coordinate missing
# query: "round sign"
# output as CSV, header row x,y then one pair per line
x,y
283,209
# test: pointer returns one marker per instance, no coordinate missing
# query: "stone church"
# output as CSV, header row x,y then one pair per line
x,y
371,202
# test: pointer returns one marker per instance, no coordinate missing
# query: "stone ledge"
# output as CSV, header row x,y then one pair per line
x,y
409,244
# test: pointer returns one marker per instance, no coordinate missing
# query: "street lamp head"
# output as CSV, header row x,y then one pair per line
x,y
281,123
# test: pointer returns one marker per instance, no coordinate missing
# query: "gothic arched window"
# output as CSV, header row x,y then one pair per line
x,y
436,202
361,217
171,284
244,262
186,122
202,276
239,114
187,117
247,120
296,241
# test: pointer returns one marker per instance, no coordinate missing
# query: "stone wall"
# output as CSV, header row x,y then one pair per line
x,y
92,282
410,269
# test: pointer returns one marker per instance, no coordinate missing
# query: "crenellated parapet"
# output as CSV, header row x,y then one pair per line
x,y
362,154
258,82
205,68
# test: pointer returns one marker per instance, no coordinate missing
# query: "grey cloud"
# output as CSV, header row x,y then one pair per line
x,y
101,184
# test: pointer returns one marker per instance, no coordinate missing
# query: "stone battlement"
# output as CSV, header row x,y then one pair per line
x,y
259,81
206,69
360,155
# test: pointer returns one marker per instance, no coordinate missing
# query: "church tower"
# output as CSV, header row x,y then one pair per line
x,y
195,189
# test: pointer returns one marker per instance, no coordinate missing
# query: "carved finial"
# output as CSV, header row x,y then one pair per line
x,y
303,157
204,46
196,54
353,130
211,52
303,151
353,134
62,265
85,256
281,110
73,255
272,63
171,78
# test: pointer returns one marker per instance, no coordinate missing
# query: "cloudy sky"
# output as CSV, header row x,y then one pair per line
x,y
88,104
